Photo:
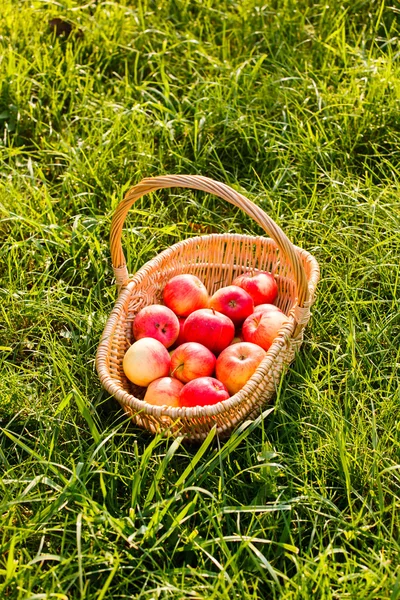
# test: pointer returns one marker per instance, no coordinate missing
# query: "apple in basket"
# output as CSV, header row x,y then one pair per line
x,y
146,360
262,328
203,391
266,308
180,339
237,363
184,294
164,392
234,302
192,360
210,328
158,322
262,286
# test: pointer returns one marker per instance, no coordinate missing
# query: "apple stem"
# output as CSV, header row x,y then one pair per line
x,y
176,368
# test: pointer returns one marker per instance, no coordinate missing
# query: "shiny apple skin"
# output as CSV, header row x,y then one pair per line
x,y
234,302
158,322
262,287
210,328
164,392
262,328
146,360
202,392
237,363
184,294
192,360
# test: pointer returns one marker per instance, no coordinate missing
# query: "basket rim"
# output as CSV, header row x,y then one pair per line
x,y
312,282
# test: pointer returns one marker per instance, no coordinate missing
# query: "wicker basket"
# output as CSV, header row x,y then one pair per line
x,y
216,260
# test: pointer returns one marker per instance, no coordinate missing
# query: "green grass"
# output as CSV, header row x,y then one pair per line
x,y
295,102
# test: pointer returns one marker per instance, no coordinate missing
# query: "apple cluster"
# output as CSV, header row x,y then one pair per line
x,y
195,349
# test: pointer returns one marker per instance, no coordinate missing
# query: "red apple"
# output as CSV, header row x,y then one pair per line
x,y
180,339
262,328
184,294
146,360
234,302
164,392
210,328
262,286
237,363
158,322
202,391
192,360
266,308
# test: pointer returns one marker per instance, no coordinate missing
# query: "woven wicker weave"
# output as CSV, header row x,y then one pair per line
x,y
216,260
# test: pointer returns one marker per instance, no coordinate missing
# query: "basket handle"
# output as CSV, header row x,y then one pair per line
x,y
198,182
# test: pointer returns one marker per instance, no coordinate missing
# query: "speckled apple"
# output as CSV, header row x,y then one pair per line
x,y
158,322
